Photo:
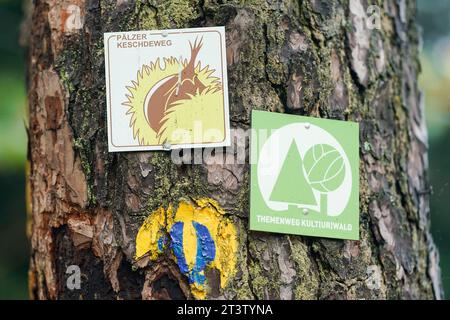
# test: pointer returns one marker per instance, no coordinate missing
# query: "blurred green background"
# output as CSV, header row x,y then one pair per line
x,y
13,242
434,17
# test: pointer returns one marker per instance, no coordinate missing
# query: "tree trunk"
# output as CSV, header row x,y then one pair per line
x,y
315,58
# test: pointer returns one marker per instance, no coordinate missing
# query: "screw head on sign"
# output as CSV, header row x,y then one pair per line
x,y
166,146
307,125
305,211
164,33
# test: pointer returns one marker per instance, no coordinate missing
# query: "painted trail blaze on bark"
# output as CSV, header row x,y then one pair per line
x,y
200,238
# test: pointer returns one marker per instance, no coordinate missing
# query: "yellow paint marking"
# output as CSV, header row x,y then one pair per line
x,y
206,212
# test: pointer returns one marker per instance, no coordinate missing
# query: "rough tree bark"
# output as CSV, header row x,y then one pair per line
x,y
305,57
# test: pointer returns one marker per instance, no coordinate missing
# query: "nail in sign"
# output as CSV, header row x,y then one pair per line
x,y
166,89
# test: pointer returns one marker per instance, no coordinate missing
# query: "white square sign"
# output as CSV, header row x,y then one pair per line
x,y
166,89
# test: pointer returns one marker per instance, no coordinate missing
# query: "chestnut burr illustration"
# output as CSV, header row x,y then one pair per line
x,y
171,99
175,87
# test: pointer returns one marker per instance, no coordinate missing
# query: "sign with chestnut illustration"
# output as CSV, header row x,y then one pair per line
x,y
166,89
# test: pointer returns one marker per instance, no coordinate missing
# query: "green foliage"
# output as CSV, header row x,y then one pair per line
x,y
324,167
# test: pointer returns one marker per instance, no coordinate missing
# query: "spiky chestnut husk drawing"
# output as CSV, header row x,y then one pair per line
x,y
168,101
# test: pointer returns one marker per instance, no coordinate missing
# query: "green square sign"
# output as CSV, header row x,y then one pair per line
x,y
304,176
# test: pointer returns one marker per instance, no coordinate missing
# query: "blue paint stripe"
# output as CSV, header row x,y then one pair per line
x,y
176,235
206,251
162,243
